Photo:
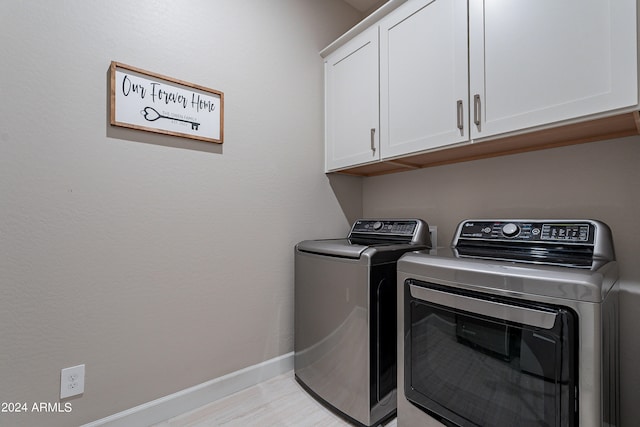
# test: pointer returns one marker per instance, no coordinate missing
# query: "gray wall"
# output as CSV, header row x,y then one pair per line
x,y
159,262
597,180
120,249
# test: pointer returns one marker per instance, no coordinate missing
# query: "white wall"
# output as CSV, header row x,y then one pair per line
x,y
159,262
596,180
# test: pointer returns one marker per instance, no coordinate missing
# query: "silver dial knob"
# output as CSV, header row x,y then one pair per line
x,y
510,229
377,225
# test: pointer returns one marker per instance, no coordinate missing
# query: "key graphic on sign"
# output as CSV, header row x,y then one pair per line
x,y
152,115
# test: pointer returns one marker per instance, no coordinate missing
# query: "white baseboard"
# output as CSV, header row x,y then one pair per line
x,y
186,400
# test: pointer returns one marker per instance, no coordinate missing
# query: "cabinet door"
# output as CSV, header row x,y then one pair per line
x,y
424,87
536,62
351,103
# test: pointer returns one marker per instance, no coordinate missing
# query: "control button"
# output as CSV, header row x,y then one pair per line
x,y
510,229
377,225
535,231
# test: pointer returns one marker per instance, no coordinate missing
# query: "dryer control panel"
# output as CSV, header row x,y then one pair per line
x,y
570,243
581,232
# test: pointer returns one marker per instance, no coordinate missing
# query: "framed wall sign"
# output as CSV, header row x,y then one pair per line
x,y
151,102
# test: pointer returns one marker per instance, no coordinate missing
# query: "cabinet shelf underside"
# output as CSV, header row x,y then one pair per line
x,y
618,126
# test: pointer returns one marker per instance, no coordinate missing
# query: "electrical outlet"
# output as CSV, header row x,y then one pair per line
x,y
433,233
71,381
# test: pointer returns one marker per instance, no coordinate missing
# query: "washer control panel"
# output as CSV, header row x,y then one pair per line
x,y
395,227
414,231
580,232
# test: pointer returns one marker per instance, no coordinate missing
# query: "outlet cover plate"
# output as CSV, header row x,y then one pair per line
x,y
433,232
71,381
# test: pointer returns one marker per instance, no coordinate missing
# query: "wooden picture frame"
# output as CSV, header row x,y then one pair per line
x,y
152,102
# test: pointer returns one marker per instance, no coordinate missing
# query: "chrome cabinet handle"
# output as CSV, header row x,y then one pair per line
x,y
373,140
460,115
476,109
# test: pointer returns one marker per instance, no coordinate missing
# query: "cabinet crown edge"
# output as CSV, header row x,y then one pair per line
x,y
365,23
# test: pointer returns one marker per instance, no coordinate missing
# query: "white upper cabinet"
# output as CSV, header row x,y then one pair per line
x,y
424,88
351,102
536,62
456,71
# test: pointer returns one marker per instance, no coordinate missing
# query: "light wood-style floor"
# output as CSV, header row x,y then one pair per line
x,y
279,401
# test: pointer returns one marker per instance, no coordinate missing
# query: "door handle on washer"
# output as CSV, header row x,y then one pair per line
x,y
497,310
